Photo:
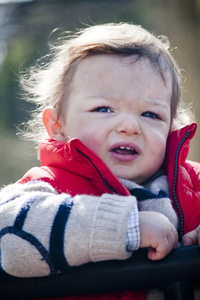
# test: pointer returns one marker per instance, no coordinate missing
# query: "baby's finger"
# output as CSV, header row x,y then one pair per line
x,y
164,246
188,239
158,253
192,237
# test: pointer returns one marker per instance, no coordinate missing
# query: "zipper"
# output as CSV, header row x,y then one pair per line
x,y
102,178
174,194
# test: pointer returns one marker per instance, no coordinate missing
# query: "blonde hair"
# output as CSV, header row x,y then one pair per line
x,y
48,82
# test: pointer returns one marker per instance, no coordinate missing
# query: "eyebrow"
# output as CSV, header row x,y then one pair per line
x,y
156,102
105,96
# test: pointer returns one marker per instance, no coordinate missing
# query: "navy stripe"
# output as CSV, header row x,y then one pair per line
x,y
21,216
143,194
7,201
57,236
33,241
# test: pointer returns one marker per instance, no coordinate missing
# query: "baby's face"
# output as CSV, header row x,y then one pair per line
x,y
120,108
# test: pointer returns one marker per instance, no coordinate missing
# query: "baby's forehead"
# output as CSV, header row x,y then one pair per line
x,y
116,71
89,63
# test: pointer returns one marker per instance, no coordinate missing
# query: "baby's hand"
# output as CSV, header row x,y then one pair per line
x,y
192,238
157,233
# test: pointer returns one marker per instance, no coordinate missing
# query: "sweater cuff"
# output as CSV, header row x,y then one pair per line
x,y
96,228
108,236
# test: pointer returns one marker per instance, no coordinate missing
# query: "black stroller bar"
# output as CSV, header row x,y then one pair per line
x,y
176,275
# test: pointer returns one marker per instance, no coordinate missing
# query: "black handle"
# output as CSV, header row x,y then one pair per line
x,y
181,266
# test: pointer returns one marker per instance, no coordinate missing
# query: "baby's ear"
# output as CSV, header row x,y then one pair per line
x,y
52,124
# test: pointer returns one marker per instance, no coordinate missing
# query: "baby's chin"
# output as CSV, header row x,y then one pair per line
x,y
129,178
130,173
138,180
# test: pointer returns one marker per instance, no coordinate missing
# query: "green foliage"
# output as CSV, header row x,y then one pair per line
x,y
17,57
197,6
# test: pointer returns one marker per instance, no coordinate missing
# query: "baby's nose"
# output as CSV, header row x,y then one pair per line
x,y
129,125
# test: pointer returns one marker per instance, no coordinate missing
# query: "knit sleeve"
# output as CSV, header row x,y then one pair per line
x,y
43,232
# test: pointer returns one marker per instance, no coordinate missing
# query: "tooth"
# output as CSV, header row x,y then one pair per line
x,y
121,147
128,148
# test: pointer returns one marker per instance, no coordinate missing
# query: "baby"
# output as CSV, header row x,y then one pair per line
x,y
113,147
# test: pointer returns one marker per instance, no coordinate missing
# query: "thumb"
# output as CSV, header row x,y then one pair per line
x,y
190,238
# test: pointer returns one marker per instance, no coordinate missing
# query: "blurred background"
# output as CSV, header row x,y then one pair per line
x,y
25,28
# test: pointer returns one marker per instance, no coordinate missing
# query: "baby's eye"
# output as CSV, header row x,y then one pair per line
x,y
103,109
151,115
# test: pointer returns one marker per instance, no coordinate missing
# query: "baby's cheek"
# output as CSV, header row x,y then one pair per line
x,y
159,145
91,141
157,154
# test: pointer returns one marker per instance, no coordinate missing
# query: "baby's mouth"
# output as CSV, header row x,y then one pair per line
x,y
125,150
